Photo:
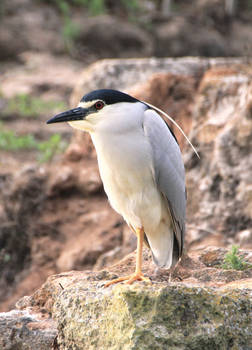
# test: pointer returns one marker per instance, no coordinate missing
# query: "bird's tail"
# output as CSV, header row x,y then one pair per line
x,y
164,246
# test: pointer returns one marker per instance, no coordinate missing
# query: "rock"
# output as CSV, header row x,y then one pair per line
x,y
244,238
53,218
175,39
55,77
213,256
222,132
205,28
107,36
83,179
173,93
190,270
148,317
241,38
198,28
23,196
109,258
27,15
194,313
26,330
123,74
7,49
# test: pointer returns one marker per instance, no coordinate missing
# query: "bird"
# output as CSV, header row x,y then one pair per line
x,y
142,171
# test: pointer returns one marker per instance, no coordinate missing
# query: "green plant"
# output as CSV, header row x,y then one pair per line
x,y
132,8
233,261
6,258
51,147
28,106
95,7
2,9
9,141
70,30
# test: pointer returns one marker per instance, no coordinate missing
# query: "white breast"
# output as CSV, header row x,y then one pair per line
x,y
125,164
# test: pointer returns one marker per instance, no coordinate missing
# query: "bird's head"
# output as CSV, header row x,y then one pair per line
x,y
111,111
97,108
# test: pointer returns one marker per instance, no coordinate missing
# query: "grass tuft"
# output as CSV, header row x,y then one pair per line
x,y
30,107
9,141
49,148
232,260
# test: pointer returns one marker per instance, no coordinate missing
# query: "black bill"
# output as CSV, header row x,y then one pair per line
x,y
68,116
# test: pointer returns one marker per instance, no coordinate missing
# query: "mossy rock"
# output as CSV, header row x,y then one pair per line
x,y
157,316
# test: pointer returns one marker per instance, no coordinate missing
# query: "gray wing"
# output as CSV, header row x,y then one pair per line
x,y
168,169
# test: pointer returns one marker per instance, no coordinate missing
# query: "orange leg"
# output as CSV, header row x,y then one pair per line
x,y
137,276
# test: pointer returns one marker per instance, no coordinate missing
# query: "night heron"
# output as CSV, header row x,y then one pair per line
x,y
141,169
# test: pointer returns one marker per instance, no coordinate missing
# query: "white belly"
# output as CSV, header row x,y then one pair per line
x,y
127,176
128,179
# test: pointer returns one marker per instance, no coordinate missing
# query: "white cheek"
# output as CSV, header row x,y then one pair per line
x,y
81,125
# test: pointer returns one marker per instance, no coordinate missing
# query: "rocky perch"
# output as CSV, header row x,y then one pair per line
x,y
205,306
210,309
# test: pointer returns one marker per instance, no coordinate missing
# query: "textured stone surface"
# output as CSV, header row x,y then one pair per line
x,y
125,73
222,129
26,330
204,307
153,317
108,36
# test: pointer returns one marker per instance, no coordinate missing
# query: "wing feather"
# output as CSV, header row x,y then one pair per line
x,y
169,171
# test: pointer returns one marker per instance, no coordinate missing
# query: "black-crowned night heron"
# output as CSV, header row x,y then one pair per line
x,y
141,169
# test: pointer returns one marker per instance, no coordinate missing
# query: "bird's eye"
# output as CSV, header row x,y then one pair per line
x,y
99,105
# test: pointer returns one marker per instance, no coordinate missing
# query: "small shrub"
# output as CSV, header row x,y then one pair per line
x,y
51,147
232,260
71,30
95,7
30,107
9,141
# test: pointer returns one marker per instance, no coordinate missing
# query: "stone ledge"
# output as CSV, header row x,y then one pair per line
x,y
26,330
157,316
204,307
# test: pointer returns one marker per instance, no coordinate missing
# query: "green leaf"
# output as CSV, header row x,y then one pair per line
x,y
232,260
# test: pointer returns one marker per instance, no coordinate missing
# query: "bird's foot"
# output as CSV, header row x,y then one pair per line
x,y
137,276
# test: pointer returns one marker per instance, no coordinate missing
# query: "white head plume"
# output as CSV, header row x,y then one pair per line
x,y
176,124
